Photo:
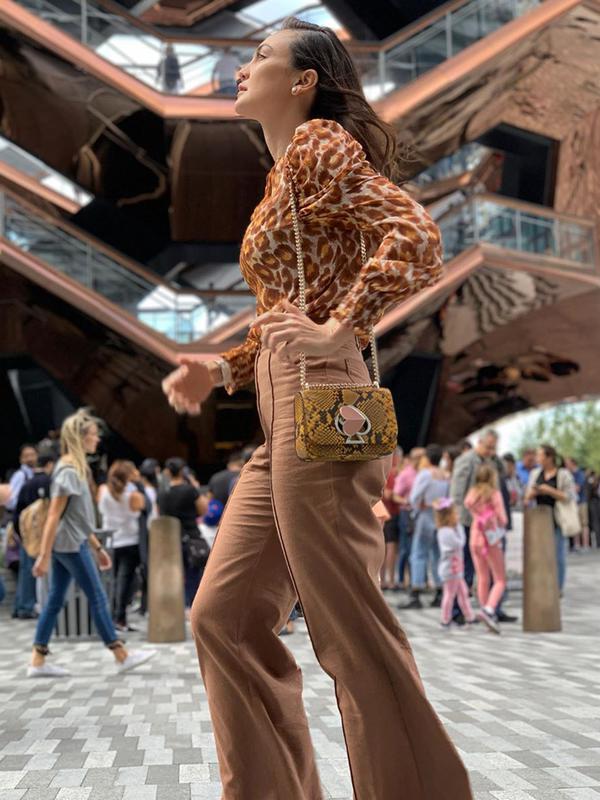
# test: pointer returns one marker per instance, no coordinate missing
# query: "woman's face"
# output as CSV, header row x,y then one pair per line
x,y
266,82
542,459
90,439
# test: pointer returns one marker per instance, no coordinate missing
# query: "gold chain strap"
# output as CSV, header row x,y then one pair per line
x,y
302,297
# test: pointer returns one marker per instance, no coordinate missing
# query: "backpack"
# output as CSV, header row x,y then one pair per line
x,y
32,521
31,525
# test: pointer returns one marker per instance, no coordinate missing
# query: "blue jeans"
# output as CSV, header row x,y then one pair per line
x,y
82,567
424,551
403,543
561,556
2,590
25,596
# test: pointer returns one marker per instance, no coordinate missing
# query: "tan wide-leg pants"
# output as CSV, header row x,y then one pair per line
x,y
306,529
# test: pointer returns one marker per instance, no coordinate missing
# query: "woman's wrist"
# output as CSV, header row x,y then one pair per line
x,y
338,330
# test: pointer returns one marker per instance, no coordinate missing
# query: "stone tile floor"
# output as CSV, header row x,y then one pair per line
x,y
523,709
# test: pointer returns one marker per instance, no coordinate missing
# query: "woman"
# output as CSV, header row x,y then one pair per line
x,y
67,544
305,529
121,504
391,526
431,483
183,501
547,485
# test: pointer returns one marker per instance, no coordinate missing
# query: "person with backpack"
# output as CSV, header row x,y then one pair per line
x,y
29,518
73,551
485,504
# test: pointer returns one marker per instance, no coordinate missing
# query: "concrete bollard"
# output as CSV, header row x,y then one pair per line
x,y
541,603
166,608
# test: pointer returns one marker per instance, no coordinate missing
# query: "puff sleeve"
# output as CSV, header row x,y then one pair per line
x,y
336,185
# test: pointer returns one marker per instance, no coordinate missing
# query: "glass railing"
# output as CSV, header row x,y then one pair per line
x,y
467,159
19,159
173,67
201,69
400,64
182,317
523,229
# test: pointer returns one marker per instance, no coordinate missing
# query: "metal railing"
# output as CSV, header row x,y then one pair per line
x,y
14,156
467,159
180,316
519,227
185,67
168,66
400,64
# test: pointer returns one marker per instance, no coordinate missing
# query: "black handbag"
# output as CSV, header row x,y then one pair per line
x,y
196,550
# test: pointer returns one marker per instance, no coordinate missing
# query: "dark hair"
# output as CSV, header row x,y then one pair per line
x,y
434,454
148,470
175,466
340,95
550,452
26,447
508,457
235,456
45,458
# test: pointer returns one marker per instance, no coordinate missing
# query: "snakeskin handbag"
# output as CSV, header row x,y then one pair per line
x,y
340,421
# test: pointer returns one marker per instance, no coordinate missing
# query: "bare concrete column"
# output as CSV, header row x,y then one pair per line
x,y
541,604
165,582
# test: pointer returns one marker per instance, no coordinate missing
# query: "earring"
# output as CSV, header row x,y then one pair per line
x,y
295,90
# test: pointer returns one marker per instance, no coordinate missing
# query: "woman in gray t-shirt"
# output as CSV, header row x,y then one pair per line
x,y
67,546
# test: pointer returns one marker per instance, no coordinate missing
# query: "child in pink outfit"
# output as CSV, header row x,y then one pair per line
x,y
485,503
451,540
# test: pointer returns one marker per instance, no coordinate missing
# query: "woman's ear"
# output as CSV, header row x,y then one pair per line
x,y
309,79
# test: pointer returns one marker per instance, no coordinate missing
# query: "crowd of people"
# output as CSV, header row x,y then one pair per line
x,y
449,513
446,514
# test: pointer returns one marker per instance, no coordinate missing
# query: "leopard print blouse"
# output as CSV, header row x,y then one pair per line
x,y
338,192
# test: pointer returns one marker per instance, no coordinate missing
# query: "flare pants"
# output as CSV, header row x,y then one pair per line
x,y
295,529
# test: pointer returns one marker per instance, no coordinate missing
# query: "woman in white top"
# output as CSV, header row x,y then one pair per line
x,y
120,504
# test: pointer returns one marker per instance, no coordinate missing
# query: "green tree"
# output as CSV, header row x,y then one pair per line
x,y
573,429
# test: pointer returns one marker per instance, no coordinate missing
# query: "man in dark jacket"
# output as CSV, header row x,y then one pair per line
x,y
36,487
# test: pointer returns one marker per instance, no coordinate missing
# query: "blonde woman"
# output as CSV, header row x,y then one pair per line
x,y
67,545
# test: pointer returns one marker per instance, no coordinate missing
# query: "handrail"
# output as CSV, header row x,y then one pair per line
x,y
115,255
187,314
521,205
393,62
167,38
29,184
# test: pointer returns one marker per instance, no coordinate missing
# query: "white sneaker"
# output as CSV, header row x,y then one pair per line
x,y
134,659
489,620
47,671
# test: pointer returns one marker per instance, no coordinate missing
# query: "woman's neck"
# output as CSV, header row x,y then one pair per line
x,y
280,132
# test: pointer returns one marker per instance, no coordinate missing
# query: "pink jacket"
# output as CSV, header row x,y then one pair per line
x,y
494,507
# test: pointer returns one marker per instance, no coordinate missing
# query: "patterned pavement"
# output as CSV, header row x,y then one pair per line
x,y
524,710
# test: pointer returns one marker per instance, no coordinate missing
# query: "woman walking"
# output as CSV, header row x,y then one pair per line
x,y
67,546
296,529
120,504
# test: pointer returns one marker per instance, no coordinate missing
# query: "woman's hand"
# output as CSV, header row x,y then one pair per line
x,y
290,332
41,566
103,560
189,385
